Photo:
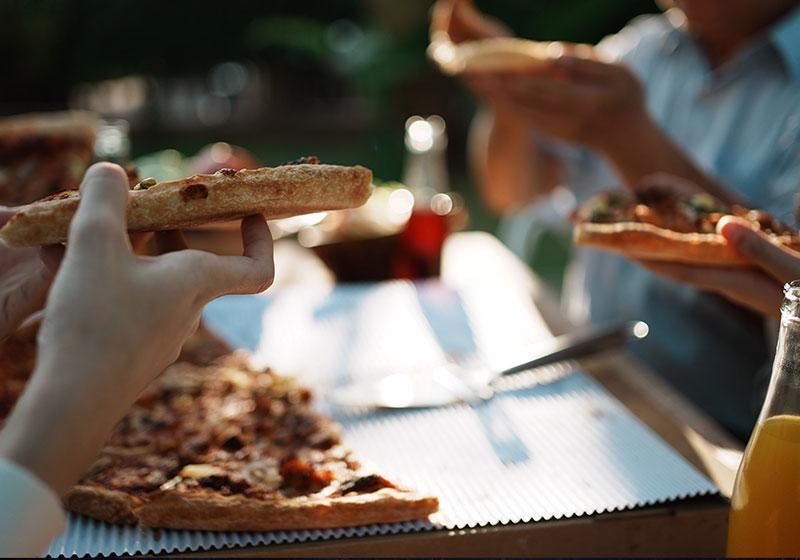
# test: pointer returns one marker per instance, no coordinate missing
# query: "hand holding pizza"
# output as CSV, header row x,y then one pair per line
x,y
577,99
462,21
758,288
25,277
113,321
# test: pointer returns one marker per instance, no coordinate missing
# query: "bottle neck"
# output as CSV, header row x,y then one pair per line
x,y
783,394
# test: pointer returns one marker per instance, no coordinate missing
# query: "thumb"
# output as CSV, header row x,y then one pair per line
x,y
780,262
100,221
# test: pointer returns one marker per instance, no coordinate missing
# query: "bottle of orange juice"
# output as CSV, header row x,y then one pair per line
x,y
765,507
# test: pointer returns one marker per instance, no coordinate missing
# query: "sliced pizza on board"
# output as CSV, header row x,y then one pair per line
x,y
216,445
42,153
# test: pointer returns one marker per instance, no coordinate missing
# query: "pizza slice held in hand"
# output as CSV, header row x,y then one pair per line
x,y
657,225
300,187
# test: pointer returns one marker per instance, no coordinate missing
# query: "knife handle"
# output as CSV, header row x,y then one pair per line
x,y
584,342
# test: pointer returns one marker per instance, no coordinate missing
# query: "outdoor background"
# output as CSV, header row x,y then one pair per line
x,y
333,78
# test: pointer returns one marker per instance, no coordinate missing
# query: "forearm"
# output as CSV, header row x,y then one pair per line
x,y
54,432
510,170
642,148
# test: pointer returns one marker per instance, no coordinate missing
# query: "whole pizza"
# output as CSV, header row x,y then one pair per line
x,y
220,446
660,225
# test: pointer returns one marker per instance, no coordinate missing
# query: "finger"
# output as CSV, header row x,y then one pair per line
x,y
441,13
140,242
780,262
256,238
541,89
51,256
580,67
465,17
749,288
251,273
169,241
100,222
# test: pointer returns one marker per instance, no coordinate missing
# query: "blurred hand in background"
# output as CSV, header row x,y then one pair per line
x,y
462,21
25,277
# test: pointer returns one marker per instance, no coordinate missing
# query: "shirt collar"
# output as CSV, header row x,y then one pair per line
x,y
785,35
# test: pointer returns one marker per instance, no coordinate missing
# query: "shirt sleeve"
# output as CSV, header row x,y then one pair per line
x,y
30,513
783,192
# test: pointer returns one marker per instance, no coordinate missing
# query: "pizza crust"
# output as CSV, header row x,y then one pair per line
x,y
102,504
648,242
274,192
68,123
490,55
208,512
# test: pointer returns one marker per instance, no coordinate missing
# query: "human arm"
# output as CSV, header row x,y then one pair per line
x,y
114,321
510,168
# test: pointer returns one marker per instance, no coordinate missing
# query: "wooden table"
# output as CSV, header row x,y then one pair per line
x,y
693,527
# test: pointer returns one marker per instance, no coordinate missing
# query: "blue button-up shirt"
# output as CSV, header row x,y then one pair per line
x,y
741,123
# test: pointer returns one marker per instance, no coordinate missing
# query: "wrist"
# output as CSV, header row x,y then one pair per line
x,y
635,148
632,133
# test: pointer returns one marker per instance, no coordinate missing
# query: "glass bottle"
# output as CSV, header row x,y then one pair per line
x,y
765,507
113,142
425,176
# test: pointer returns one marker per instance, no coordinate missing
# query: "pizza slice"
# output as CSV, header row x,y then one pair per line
x,y
663,226
300,187
223,447
42,153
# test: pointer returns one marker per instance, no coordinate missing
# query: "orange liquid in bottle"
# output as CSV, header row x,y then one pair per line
x,y
765,508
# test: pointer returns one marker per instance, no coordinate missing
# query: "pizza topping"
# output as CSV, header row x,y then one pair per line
x,y
302,477
366,485
227,171
704,203
264,473
238,379
227,483
135,475
145,184
195,191
304,160
227,431
138,451
697,213
197,472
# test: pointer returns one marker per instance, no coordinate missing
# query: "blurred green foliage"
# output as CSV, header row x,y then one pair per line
x,y
49,46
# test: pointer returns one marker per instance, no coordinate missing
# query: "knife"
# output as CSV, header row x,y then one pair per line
x,y
449,384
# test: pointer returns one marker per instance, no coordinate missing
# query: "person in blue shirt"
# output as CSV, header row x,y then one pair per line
x,y
708,91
